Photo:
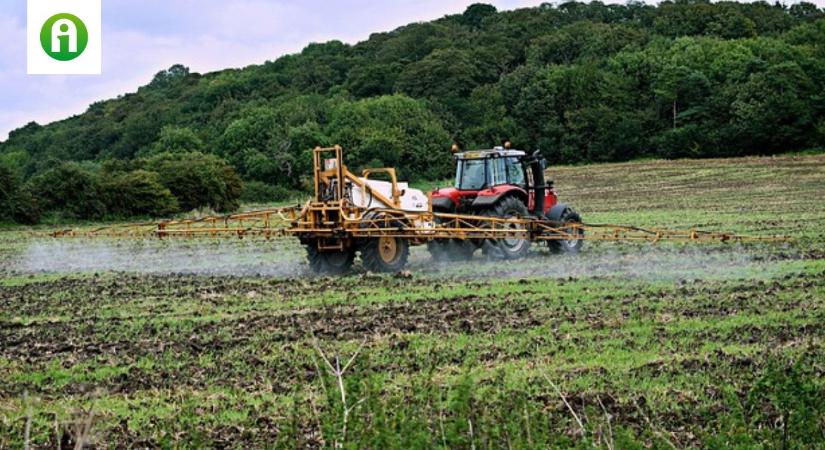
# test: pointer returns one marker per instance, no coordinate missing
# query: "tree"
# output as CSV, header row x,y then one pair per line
x,y
198,180
475,14
9,183
177,140
392,131
443,73
138,193
69,189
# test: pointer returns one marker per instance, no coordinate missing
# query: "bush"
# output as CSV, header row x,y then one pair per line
x,y
138,193
392,131
9,184
69,189
24,208
198,180
16,203
258,192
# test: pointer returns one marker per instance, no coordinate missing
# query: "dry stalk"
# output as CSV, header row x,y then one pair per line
x,y
527,426
83,429
441,422
57,432
472,437
338,371
611,445
653,428
28,430
569,408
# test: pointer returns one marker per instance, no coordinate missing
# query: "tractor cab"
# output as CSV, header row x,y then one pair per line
x,y
484,177
489,168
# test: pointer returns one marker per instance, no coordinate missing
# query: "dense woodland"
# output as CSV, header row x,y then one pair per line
x,y
582,82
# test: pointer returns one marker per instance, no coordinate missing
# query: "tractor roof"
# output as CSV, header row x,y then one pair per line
x,y
497,151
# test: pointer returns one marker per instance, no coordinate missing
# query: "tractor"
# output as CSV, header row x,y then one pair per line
x,y
505,183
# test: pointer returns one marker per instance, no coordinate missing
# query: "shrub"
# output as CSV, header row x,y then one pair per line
x,y
198,180
16,203
138,193
24,208
9,184
258,192
69,189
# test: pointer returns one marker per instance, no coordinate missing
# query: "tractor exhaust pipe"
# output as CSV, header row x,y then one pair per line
x,y
537,169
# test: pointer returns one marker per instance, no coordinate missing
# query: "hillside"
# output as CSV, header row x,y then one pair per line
x,y
582,82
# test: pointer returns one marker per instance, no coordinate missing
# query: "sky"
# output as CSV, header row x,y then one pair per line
x,y
143,37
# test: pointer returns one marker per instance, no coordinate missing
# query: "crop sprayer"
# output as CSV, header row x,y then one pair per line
x,y
500,204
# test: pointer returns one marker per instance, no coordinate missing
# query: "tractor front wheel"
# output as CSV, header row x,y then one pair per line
x,y
331,262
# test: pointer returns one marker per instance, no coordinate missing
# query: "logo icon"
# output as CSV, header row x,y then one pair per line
x,y
64,37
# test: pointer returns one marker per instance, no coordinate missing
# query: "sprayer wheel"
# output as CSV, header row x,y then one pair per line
x,y
384,254
329,263
571,245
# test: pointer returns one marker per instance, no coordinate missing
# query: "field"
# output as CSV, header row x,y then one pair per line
x,y
232,344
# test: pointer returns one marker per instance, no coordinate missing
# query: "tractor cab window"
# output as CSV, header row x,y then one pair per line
x,y
498,172
515,171
471,174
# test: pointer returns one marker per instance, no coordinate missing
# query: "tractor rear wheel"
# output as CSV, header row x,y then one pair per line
x,y
330,262
568,245
508,247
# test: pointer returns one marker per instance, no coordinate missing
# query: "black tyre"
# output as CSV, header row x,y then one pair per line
x,y
329,263
507,248
385,254
568,245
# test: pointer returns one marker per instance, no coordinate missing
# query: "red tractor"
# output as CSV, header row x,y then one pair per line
x,y
500,183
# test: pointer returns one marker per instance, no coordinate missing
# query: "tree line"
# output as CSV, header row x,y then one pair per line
x,y
581,82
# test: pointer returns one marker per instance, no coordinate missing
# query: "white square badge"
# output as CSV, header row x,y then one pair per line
x,y
64,37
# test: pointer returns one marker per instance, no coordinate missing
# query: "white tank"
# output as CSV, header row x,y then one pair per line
x,y
411,199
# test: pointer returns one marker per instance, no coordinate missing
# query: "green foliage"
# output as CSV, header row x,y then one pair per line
x,y
257,192
392,131
177,140
138,193
785,405
9,183
443,73
69,189
782,408
581,81
198,180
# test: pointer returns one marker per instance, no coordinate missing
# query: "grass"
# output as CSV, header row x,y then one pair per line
x,y
651,347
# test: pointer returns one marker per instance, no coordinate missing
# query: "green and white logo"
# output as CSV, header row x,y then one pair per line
x,y
64,37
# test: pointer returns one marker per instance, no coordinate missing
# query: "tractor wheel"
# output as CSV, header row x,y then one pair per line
x,y
385,253
571,245
507,248
451,249
329,263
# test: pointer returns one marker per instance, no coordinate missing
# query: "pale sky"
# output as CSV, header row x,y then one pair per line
x,y
142,37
